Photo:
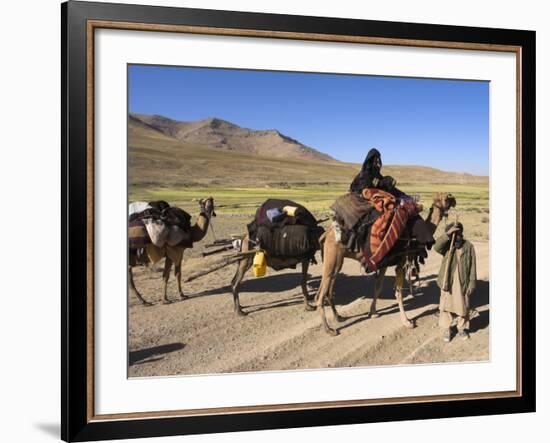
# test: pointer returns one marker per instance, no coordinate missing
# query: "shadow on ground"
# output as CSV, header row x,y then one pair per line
x,y
270,283
347,290
350,288
155,353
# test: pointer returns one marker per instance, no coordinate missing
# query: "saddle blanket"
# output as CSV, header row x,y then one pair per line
x,y
350,208
383,240
137,235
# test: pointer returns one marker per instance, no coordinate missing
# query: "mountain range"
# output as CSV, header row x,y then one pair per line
x,y
225,135
166,153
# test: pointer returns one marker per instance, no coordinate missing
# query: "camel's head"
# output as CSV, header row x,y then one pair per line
x,y
207,206
444,202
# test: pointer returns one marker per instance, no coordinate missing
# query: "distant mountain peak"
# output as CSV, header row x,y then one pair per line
x,y
222,134
156,117
217,123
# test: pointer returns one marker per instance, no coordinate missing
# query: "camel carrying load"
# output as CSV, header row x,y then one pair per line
x,y
340,242
157,230
377,222
282,229
283,234
379,226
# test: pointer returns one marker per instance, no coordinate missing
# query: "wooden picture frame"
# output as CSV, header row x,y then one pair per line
x,y
79,22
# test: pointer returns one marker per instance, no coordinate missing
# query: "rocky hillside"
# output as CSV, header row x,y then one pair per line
x,y
221,134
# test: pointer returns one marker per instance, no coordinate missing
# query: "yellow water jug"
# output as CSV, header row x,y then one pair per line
x,y
259,265
290,210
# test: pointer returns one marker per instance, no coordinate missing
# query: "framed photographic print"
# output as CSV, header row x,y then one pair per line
x,y
277,221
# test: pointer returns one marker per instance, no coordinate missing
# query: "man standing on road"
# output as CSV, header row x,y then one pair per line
x,y
457,280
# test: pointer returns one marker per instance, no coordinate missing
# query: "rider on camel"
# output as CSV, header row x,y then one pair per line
x,y
371,177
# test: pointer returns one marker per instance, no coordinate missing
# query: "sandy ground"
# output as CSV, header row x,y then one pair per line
x,y
202,335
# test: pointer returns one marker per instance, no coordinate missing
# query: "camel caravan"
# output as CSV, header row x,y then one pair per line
x,y
374,223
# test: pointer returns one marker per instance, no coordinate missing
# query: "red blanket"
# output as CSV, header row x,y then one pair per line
x,y
388,227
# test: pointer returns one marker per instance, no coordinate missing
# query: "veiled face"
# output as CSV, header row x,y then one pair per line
x,y
376,164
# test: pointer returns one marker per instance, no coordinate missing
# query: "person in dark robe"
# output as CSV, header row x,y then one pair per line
x,y
370,176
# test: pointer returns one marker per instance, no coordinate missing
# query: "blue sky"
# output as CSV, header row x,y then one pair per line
x,y
438,123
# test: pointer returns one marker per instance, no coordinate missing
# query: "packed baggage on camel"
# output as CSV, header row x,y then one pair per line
x,y
157,223
157,230
283,234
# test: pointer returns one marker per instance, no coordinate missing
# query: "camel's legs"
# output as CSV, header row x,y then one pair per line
x,y
338,317
378,285
243,266
166,277
330,261
399,281
322,240
339,263
321,295
177,272
133,288
305,267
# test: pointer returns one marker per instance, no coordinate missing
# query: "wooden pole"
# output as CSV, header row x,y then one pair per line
x,y
223,261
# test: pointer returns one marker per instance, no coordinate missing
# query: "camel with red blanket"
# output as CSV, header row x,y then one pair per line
x,y
335,251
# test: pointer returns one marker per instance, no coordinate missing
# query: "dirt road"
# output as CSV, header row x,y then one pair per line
x,y
202,334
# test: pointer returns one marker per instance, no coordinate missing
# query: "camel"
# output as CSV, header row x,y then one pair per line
x,y
173,254
334,253
273,262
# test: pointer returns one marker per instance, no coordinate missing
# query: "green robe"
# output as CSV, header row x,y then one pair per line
x,y
466,269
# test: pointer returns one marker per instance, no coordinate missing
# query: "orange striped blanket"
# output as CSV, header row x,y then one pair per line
x,y
388,227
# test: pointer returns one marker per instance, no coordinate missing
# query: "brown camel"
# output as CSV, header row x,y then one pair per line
x,y
334,253
273,262
173,254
